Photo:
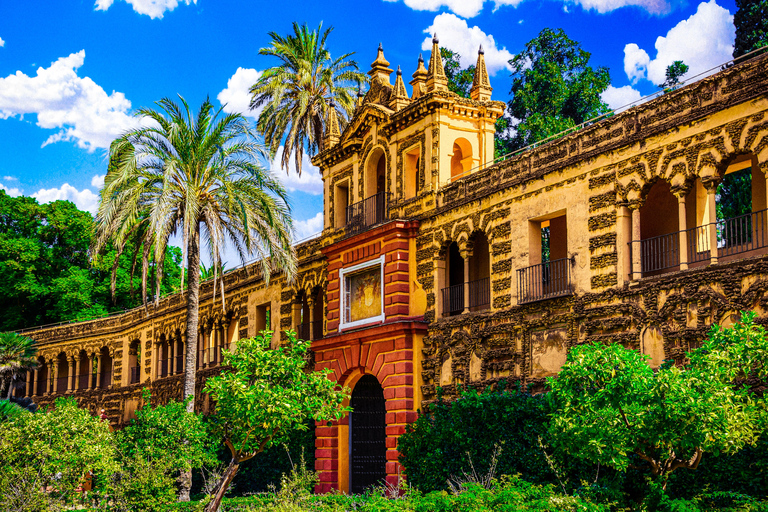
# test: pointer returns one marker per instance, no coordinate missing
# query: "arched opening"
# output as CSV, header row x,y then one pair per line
x,y
162,357
178,355
659,228
453,294
84,373
372,209
105,372
42,377
480,274
134,360
411,165
376,173
301,313
740,206
368,435
461,159
62,373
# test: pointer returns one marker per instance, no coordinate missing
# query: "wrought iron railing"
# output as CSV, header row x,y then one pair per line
x,y
178,364
106,380
453,299
62,385
367,213
82,381
302,331
544,281
737,235
162,370
480,294
317,330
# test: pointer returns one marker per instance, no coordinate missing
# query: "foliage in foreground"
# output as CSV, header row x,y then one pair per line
x,y
611,407
267,394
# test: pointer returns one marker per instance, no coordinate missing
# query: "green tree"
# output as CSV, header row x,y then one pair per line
x,y
610,405
553,88
674,73
297,93
751,21
267,394
198,175
17,355
47,455
459,80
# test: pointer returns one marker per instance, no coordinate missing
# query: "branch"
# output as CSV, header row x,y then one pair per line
x,y
691,463
654,464
624,417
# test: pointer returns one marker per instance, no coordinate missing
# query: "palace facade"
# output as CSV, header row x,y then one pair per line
x,y
437,267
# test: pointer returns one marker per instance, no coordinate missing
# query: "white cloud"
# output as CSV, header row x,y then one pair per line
x,y
79,107
10,178
97,181
465,8
457,36
84,200
604,6
13,192
306,228
703,41
2,43
236,97
617,97
152,8
309,181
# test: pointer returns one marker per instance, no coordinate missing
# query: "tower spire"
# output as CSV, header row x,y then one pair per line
x,y
380,68
419,82
481,86
332,132
436,79
399,98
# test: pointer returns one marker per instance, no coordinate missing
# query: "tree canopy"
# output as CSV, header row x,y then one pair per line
x,y
751,21
553,88
611,406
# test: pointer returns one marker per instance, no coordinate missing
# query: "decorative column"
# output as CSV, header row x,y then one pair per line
x,y
76,380
98,371
682,222
311,306
712,207
637,271
51,375
465,256
71,374
439,286
623,239
171,354
91,359
35,380
30,380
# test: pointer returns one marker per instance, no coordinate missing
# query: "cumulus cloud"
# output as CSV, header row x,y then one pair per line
x,y
13,192
236,97
152,8
84,200
465,8
703,41
604,6
303,229
81,110
457,36
2,43
309,181
97,181
617,97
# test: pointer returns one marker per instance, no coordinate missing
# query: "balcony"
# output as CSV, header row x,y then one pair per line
x,y
745,235
479,297
367,213
544,281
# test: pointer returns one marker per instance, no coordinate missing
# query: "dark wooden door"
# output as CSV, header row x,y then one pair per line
x,y
367,423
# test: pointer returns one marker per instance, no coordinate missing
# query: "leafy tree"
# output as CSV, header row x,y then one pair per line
x,y
297,93
610,405
47,455
268,394
674,73
10,411
459,80
199,175
553,88
158,445
17,355
751,21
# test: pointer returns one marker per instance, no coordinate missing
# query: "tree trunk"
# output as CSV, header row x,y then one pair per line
x,y
190,358
222,486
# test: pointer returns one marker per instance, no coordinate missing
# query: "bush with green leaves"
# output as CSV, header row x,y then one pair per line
x,y
610,406
47,455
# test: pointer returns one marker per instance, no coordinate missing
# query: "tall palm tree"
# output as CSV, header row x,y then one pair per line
x,y
17,355
198,176
296,94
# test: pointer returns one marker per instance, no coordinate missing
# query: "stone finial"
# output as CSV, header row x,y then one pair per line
x,y
360,94
481,86
380,68
436,79
332,132
399,97
419,82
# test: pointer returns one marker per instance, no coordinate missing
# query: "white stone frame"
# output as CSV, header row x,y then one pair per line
x,y
343,324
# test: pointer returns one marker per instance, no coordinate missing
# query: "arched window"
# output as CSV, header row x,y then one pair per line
x,y
461,158
105,371
453,293
62,373
659,227
480,274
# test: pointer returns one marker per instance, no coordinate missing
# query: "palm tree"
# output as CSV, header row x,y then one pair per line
x,y
199,176
296,94
17,355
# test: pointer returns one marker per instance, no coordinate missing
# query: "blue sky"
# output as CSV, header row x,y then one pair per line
x,y
72,72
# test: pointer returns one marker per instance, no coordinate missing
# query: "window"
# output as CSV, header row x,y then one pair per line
x,y
340,203
263,314
362,298
412,161
549,273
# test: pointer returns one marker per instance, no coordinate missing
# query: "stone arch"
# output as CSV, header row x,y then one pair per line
x,y
462,157
376,170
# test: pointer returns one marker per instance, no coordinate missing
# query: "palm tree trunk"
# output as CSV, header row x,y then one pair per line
x,y
193,312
